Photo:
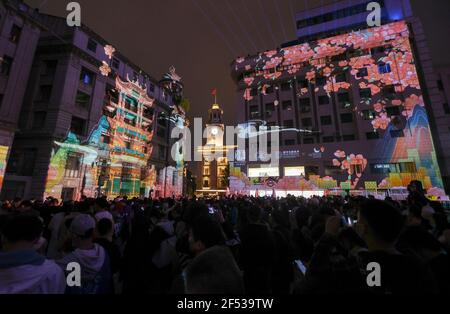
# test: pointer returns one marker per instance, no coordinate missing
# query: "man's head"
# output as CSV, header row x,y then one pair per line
x,y
379,224
214,272
105,228
205,233
21,232
82,231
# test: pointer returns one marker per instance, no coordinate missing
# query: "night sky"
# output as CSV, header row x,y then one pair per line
x,y
202,37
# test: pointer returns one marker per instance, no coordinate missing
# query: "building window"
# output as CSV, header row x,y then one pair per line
x,y
446,108
288,123
73,165
92,45
363,72
393,111
303,83
307,122
348,138
127,144
106,138
328,139
286,86
82,99
6,65
321,81
115,63
308,140
365,93
372,135
384,68
22,162
286,105
341,78
344,99
305,105
77,126
270,108
269,90
389,91
14,36
206,183
346,117
206,171
440,85
87,77
254,112
324,100
289,142
39,120
368,114
325,120
45,92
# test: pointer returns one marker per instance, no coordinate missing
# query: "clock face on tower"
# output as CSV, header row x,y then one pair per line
x,y
214,131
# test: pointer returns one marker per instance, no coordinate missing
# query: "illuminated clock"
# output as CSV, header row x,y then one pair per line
x,y
214,131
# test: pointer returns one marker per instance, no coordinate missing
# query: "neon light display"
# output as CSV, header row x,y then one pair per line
x,y
114,161
3,157
381,65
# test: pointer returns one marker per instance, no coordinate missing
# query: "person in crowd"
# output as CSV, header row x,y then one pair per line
x,y
22,269
214,271
380,225
226,245
257,253
93,260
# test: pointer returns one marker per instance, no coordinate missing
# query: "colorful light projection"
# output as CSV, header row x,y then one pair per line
x,y
114,159
3,160
381,62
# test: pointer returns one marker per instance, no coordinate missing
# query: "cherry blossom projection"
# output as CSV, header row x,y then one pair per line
x,y
378,63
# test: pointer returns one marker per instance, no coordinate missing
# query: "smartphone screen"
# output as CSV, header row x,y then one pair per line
x,y
301,266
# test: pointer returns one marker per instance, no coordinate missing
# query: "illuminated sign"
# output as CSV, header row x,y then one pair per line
x,y
263,172
294,171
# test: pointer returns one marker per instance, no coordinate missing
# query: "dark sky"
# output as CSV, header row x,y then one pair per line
x,y
202,37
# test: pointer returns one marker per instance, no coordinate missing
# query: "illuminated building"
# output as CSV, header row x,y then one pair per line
x,y
364,93
212,179
441,119
19,31
84,133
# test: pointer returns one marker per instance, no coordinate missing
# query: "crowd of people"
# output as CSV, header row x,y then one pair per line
x,y
225,245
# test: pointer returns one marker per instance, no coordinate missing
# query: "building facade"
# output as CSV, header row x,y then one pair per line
x,y
360,99
19,35
442,121
212,177
92,122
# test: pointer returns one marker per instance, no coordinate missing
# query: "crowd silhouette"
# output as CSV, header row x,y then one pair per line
x,y
225,245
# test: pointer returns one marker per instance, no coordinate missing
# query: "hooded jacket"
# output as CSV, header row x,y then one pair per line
x,y
27,272
95,269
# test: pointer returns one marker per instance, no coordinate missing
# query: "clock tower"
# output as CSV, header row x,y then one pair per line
x,y
214,161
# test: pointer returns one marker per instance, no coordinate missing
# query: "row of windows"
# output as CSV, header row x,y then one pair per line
x,y
339,14
388,90
331,139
